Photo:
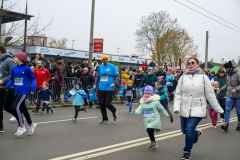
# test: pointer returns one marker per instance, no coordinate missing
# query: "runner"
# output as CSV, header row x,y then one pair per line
x,y
42,75
6,65
190,101
21,77
105,77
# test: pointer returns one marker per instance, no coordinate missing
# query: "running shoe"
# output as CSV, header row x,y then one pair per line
x,y
196,137
74,120
12,118
221,120
238,127
225,126
115,116
35,111
31,129
129,112
153,145
186,156
20,131
104,122
214,126
41,112
1,130
97,106
85,109
171,119
52,109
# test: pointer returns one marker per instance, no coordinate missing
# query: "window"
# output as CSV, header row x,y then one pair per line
x,y
42,42
32,41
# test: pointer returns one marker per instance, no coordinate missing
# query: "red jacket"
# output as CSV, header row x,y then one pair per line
x,y
144,65
42,76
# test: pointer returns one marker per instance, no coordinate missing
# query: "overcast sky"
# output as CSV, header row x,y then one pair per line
x,y
116,22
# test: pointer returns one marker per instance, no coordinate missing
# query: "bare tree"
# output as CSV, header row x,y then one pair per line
x,y
60,43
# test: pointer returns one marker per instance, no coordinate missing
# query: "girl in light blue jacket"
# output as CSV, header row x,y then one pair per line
x,y
78,95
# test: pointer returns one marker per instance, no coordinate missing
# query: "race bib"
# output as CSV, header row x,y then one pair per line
x,y
128,93
73,91
168,83
90,94
121,91
104,78
18,81
148,112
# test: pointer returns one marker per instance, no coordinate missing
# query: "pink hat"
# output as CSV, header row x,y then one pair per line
x,y
123,82
21,56
216,84
148,89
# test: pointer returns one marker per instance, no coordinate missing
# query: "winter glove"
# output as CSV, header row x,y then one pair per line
x,y
133,99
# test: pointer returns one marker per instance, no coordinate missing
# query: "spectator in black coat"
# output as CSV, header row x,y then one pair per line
x,y
69,70
48,65
77,71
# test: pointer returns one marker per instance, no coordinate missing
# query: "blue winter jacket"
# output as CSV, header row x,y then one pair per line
x,y
163,93
121,91
78,97
21,77
168,78
45,94
92,94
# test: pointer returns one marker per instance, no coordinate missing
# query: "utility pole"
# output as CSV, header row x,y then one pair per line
x,y
206,51
25,30
91,35
118,51
1,22
72,43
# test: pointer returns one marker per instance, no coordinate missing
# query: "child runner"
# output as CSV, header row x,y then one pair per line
x,y
212,113
78,95
21,77
150,107
92,97
45,93
121,91
130,94
163,93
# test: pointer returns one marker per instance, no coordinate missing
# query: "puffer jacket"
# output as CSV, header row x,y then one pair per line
x,y
125,77
87,79
222,82
149,80
130,93
191,94
233,82
150,111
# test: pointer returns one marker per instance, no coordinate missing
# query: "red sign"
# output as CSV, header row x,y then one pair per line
x,y
98,45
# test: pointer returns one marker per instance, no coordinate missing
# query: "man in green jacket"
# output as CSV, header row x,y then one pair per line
x,y
221,78
149,79
61,64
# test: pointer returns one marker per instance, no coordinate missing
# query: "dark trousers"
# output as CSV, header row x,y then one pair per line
x,y
151,134
6,101
223,104
167,109
20,107
105,99
39,98
85,99
170,90
57,92
77,109
46,105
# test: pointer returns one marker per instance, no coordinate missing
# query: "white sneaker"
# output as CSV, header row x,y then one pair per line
x,y
12,118
20,131
221,120
31,129
214,126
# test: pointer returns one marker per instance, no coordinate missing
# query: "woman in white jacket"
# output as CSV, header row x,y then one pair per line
x,y
190,101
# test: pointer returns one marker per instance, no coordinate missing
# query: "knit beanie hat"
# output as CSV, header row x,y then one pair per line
x,y
148,89
33,58
150,68
123,82
138,71
59,58
69,63
21,56
130,82
134,70
89,87
162,82
79,84
104,56
216,84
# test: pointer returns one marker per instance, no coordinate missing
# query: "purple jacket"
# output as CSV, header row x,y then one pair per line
x,y
58,77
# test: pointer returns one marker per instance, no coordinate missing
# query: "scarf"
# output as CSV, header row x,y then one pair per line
x,y
192,72
146,100
230,71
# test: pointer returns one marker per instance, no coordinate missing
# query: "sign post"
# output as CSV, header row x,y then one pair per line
x,y
98,45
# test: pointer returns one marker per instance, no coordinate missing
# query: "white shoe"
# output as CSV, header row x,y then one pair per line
x,y
221,120
20,131
12,118
31,129
214,126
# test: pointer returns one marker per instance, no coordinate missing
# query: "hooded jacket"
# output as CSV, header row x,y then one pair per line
x,y
125,77
150,111
191,94
222,82
233,82
163,93
138,80
77,97
130,93
58,77
149,80
6,66
132,75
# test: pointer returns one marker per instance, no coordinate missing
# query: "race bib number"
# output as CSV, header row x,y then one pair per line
x,y
90,94
104,78
148,112
18,81
128,93
121,91
73,91
168,83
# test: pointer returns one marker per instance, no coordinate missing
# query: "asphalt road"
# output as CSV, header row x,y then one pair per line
x,y
57,137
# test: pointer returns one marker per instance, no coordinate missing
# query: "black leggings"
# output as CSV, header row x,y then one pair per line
x,y
170,90
77,109
151,134
20,107
222,104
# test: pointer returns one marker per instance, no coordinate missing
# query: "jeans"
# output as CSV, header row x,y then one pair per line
x,y
188,127
167,109
229,104
139,94
129,104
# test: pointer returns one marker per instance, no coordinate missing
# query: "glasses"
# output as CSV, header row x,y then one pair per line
x,y
105,59
189,63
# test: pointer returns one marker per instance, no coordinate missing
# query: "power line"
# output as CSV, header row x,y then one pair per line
x,y
225,39
213,14
207,16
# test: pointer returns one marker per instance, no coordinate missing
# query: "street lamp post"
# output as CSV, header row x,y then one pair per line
x,y
91,35
118,51
72,43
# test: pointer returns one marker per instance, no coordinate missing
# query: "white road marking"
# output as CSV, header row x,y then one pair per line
x,y
140,141
65,120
